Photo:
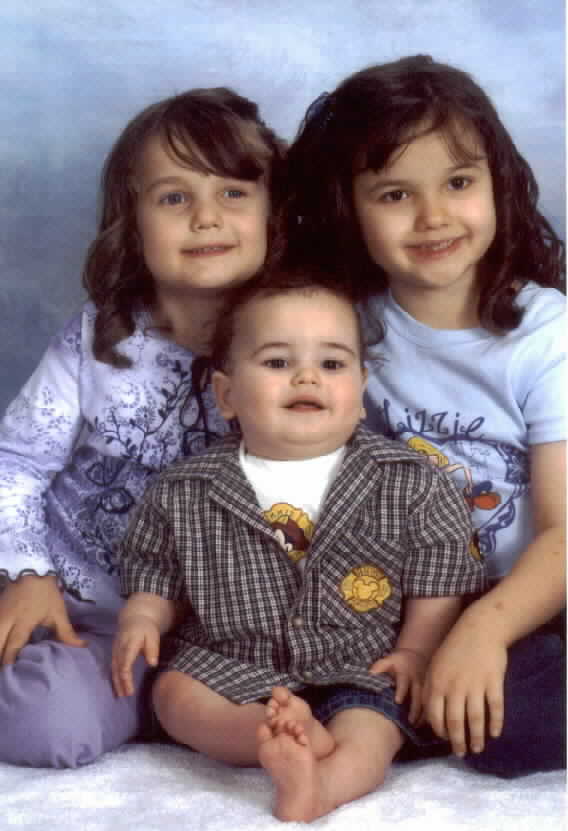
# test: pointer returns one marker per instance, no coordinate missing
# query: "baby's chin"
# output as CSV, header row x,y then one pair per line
x,y
295,449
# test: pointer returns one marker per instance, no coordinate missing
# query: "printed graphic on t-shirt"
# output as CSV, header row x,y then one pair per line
x,y
293,529
492,475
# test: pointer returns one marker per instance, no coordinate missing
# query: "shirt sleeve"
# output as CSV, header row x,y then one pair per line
x,y
148,558
37,435
442,559
540,377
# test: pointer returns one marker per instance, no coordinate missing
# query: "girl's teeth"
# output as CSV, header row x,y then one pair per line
x,y
438,246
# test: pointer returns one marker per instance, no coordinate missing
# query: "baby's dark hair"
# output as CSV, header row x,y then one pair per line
x,y
273,281
359,126
212,131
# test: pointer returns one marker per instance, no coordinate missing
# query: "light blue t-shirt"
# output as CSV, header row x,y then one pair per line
x,y
474,402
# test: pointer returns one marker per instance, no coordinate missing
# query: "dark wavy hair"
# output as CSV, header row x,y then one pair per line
x,y
359,126
211,130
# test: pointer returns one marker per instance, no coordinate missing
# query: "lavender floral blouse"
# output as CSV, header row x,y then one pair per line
x,y
79,445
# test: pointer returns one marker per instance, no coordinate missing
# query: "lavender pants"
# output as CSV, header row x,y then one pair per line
x,y
57,704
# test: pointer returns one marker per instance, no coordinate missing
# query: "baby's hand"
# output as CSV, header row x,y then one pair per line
x,y
407,668
29,602
135,635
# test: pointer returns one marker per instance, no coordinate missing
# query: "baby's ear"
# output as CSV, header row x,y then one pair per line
x,y
222,388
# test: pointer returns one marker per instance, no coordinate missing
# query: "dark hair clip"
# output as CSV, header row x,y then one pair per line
x,y
320,110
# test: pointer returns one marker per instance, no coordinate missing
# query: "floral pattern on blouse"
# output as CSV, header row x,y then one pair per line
x,y
80,444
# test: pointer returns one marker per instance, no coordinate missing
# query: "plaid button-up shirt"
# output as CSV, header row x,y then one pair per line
x,y
391,527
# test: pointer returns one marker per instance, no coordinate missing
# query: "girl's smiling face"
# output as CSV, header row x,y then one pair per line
x,y
200,233
428,218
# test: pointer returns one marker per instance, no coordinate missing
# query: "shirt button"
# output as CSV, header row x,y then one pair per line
x,y
308,675
298,621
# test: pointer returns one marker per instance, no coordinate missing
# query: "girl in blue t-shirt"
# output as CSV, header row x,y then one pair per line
x,y
407,187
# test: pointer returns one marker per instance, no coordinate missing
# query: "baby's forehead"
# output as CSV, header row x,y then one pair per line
x,y
262,315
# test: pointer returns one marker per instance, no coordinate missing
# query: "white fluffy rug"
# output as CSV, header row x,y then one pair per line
x,y
164,788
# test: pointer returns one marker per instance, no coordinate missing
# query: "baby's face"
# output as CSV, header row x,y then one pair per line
x,y
295,380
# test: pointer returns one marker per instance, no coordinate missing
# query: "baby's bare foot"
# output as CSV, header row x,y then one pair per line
x,y
288,758
285,708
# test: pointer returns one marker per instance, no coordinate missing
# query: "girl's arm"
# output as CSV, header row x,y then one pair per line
x,y
37,436
426,621
467,671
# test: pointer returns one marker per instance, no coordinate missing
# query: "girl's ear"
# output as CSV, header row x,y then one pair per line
x,y
222,386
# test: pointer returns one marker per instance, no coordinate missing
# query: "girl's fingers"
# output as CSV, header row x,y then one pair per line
x,y
496,708
18,637
455,723
434,705
476,721
65,633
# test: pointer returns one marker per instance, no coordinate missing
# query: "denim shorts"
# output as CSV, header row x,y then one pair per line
x,y
327,702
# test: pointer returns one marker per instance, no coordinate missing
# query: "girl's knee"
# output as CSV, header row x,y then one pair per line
x,y
42,722
57,708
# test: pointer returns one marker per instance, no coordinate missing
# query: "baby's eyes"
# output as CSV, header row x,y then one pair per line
x,y
332,364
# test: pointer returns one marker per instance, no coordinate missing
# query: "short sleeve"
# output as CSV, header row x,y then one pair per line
x,y
441,559
148,559
540,369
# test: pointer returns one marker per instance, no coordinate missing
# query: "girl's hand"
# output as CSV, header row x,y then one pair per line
x,y
135,634
29,602
407,668
463,682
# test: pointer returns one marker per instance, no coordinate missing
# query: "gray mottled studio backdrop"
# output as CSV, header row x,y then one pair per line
x,y
73,72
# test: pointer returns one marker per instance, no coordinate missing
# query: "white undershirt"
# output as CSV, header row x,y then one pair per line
x,y
291,493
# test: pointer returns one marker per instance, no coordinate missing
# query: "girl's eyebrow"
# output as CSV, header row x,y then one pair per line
x,y
467,164
164,180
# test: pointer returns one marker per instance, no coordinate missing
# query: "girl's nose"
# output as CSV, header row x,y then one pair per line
x,y
205,214
431,212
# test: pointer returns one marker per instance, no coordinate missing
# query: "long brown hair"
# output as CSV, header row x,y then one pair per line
x,y
207,129
359,126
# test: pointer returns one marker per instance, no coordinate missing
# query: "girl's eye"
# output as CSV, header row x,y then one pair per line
x,y
275,363
459,182
333,364
394,196
234,193
175,198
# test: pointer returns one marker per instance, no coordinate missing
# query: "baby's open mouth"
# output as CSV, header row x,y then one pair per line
x,y
304,405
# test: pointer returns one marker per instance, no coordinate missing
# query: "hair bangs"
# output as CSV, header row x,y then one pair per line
x,y
223,147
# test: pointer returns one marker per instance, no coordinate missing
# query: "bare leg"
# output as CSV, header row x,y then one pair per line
x,y
195,715
308,788
285,708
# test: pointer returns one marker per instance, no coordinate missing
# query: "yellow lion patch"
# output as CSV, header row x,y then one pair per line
x,y
365,588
